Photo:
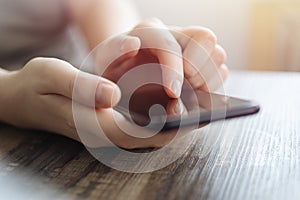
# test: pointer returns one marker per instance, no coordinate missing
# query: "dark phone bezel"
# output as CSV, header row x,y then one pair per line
x,y
249,108
246,108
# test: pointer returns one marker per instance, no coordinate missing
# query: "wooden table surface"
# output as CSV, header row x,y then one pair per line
x,y
256,157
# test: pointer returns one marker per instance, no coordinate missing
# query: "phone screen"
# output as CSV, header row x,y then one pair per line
x,y
150,104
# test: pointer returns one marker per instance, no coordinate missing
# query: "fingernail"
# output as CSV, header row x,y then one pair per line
x,y
104,95
176,88
129,44
178,109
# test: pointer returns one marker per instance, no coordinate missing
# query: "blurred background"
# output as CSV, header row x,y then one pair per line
x,y
257,34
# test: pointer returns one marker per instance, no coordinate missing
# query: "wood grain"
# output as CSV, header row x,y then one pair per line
x,y
256,157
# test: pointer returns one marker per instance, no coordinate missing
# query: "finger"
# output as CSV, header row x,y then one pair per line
x,y
95,91
125,140
219,55
214,72
112,129
110,133
155,36
106,129
176,107
62,78
210,70
115,49
198,44
217,80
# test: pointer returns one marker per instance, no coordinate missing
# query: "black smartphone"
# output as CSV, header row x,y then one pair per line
x,y
150,107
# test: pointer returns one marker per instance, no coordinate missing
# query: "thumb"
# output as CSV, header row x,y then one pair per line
x,y
82,87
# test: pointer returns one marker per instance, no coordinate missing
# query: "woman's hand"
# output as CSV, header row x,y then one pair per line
x,y
40,95
45,93
190,53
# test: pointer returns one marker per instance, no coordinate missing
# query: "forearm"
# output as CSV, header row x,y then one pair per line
x,y
100,19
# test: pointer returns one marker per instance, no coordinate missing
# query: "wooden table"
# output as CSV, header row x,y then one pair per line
x,y
256,157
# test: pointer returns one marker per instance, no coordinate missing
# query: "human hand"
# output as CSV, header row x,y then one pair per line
x,y
189,53
43,96
40,95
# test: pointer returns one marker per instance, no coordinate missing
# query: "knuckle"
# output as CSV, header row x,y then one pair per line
x,y
219,56
36,60
33,65
200,33
38,66
210,35
36,72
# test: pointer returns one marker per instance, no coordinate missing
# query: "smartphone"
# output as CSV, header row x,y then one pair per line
x,y
150,107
